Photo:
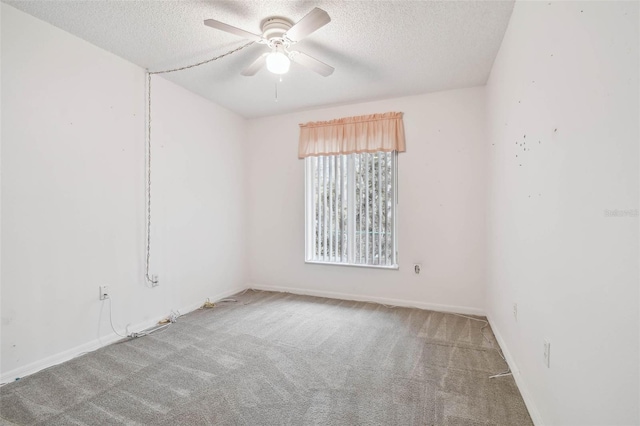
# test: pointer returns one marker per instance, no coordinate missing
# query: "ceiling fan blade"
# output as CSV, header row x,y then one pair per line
x,y
255,65
231,29
312,63
311,22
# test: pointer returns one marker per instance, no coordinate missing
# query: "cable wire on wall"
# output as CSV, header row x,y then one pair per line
x,y
150,279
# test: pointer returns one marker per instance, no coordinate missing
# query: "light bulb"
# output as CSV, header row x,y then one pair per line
x,y
277,61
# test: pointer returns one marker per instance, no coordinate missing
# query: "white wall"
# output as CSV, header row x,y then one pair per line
x,y
73,205
441,213
567,78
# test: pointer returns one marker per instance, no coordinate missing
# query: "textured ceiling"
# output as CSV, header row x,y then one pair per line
x,y
380,49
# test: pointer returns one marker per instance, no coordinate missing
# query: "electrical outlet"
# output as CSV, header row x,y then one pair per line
x,y
515,311
104,292
155,281
417,268
547,353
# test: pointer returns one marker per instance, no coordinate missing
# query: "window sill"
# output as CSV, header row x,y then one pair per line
x,y
357,265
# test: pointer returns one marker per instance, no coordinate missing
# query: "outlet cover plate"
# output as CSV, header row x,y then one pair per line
x,y
104,292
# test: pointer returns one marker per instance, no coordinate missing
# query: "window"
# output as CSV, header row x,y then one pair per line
x,y
351,189
351,209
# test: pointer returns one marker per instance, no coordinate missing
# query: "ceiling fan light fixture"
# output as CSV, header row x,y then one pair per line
x,y
279,34
277,61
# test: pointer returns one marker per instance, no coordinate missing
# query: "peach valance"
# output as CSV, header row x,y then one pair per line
x,y
365,133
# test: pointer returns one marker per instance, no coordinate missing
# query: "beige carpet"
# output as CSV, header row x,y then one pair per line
x,y
274,358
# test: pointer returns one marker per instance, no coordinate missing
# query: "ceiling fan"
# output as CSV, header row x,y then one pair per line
x,y
279,34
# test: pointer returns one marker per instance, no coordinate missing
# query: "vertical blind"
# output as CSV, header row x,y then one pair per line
x,y
351,198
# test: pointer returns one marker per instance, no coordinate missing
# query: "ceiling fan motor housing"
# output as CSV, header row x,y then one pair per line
x,y
274,28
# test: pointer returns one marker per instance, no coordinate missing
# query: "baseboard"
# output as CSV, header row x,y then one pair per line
x,y
34,367
93,345
520,381
383,300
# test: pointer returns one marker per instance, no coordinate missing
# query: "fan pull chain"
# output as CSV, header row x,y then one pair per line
x,y
152,279
276,85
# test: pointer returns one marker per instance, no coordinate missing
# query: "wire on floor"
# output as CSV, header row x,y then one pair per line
x,y
208,304
173,317
498,349
157,328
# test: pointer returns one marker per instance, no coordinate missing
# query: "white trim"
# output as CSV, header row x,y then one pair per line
x,y
520,382
383,300
358,265
26,370
50,361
